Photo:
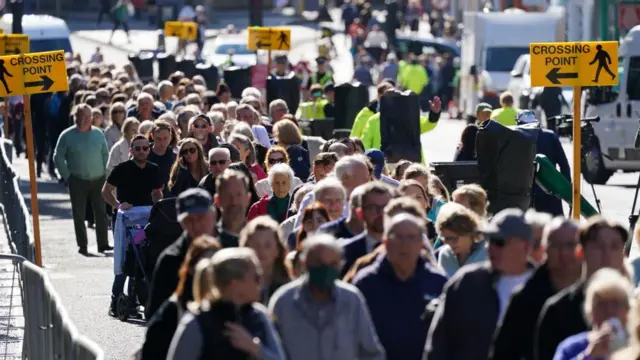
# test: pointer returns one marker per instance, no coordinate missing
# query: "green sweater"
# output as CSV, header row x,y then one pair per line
x,y
83,155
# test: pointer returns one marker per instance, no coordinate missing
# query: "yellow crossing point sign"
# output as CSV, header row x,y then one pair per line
x,y
33,73
591,63
14,44
181,30
265,38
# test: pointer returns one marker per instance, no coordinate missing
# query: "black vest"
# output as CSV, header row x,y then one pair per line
x,y
216,346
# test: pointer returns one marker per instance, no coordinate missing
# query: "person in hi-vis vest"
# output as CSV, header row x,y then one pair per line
x,y
314,108
371,137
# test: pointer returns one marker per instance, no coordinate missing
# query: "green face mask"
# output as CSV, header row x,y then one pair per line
x,y
323,277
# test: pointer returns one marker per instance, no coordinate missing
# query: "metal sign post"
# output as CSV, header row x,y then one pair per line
x,y
27,74
576,64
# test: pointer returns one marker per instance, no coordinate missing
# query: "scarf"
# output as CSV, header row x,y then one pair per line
x,y
277,208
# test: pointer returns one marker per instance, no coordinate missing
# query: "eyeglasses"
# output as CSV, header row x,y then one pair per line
x,y
218,162
140,148
188,150
274,161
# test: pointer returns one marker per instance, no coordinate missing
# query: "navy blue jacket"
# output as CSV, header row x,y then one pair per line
x,y
353,249
548,144
396,306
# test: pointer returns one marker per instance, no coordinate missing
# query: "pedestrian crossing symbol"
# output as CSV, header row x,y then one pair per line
x,y
14,44
265,38
33,73
589,63
182,30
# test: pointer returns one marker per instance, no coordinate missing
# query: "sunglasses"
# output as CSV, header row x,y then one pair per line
x,y
499,242
201,126
274,161
119,111
218,162
140,148
188,150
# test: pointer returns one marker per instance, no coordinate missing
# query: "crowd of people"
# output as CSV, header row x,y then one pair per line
x,y
301,249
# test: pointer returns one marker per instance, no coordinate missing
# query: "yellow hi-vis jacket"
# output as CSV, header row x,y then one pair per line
x,y
312,110
360,121
372,139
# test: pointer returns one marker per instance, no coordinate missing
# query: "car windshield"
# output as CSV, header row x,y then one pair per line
x,y
238,49
503,58
43,45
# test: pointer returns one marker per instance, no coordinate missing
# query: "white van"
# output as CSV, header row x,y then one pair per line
x,y
46,33
619,111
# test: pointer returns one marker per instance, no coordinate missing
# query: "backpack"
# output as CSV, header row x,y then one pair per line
x,y
299,161
54,104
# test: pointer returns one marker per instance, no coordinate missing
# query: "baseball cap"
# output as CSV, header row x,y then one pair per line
x,y
509,223
193,201
377,159
483,107
526,117
281,59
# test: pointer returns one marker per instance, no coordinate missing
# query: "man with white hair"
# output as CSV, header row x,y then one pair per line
x,y
144,109
217,120
251,91
277,110
165,93
313,312
396,277
351,171
219,161
249,115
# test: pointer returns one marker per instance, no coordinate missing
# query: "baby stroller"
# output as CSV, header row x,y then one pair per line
x,y
131,254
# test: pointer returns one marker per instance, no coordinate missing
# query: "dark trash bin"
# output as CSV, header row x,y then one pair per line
x,y
350,99
286,88
237,79
210,74
143,63
187,66
166,65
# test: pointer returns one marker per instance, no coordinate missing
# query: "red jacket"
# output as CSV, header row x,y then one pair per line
x,y
260,208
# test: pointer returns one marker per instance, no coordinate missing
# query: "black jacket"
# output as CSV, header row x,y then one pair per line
x,y
160,330
165,276
561,317
212,322
514,338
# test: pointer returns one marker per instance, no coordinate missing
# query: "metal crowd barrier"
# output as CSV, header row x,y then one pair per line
x,y
14,210
48,332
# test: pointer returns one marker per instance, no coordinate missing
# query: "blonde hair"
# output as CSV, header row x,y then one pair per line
x,y
476,196
287,133
127,124
607,281
214,274
437,187
458,219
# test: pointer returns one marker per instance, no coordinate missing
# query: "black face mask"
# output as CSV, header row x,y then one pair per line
x,y
414,62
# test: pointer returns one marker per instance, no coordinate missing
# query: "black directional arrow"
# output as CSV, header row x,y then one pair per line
x,y
46,83
263,44
555,74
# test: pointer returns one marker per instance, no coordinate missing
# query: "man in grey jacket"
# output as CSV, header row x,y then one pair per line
x,y
320,317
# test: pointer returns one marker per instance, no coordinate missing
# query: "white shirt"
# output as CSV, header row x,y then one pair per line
x,y
376,39
119,153
261,135
506,285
